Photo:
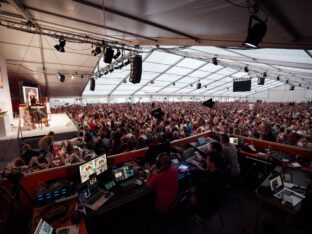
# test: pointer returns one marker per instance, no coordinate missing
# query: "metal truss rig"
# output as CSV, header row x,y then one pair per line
x,y
30,27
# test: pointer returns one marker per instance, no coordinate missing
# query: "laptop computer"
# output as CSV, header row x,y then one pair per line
x,y
125,177
279,191
188,154
201,141
44,228
234,140
94,196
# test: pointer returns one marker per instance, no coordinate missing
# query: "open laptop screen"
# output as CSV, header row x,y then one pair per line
x,y
276,183
234,140
43,228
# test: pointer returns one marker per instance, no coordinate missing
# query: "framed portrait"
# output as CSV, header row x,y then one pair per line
x,y
28,92
1,81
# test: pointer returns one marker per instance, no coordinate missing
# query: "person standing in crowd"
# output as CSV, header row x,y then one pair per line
x,y
164,179
28,153
45,143
229,152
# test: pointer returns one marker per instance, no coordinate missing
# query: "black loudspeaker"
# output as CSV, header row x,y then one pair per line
x,y
108,56
62,78
241,86
157,113
198,85
209,103
136,69
261,80
92,84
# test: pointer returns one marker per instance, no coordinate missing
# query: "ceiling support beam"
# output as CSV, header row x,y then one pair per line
x,y
280,19
125,15
186,75
88,23
205,77
17,4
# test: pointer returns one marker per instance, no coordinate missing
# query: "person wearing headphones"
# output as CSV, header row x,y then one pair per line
x,y
164,179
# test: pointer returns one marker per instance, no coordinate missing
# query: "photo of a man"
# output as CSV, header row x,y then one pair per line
x,y
31,95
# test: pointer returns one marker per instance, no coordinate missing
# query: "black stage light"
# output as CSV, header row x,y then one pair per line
x,y
246,69
127,63
264,74
256,32
286,82
96,51
106,72
173,84
261,80
118,53
61,77
215,61
308,87
291,87
152,82
125,80
81,76
206,86
191,85
299,85
198,85
100,75
61,45
277,78
120,66
111,70
108,55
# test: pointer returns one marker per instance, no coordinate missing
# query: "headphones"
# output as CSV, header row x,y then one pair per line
x,y
158,161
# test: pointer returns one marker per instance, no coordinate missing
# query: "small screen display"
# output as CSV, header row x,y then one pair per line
x,y
100,164
276,183
86,170
123,173
43,228
234,140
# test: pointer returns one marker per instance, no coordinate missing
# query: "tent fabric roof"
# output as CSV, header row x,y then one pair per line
x,y
197,23
176,71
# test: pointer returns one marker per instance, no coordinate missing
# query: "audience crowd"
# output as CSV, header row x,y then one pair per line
x,y
117,128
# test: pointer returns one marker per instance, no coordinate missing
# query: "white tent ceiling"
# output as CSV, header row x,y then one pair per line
x,y
32,58
176,71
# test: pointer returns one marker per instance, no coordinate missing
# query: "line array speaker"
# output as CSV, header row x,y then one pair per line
x,y
136,69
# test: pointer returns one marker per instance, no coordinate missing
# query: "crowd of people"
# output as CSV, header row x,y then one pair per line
x,y
118,128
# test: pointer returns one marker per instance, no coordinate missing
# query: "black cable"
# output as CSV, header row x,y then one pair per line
x,y
237,5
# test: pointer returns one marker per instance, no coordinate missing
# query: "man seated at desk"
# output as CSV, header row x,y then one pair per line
x,y
208,184
164,179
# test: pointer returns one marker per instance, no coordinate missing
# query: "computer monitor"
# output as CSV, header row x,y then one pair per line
x,y
100,164
86,170
123,173
234,140
155,150
276,183
201,141
43,228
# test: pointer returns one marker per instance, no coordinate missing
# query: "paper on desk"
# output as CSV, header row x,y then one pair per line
x,y
295,164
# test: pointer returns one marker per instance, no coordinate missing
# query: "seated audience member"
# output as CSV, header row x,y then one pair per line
x,y
28,153
293,138
164,179
46,142
268,134
209,184
229,152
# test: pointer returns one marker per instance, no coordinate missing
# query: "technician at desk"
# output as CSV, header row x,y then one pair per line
x,y
164,179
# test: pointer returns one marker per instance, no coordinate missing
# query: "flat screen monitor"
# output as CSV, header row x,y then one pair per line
x,y
123,173
155,150
43,228
234,140
86,170
100,164
276,183
201,140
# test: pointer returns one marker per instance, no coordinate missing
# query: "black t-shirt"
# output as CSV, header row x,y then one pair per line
x,y
209,188
27,155
269,137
